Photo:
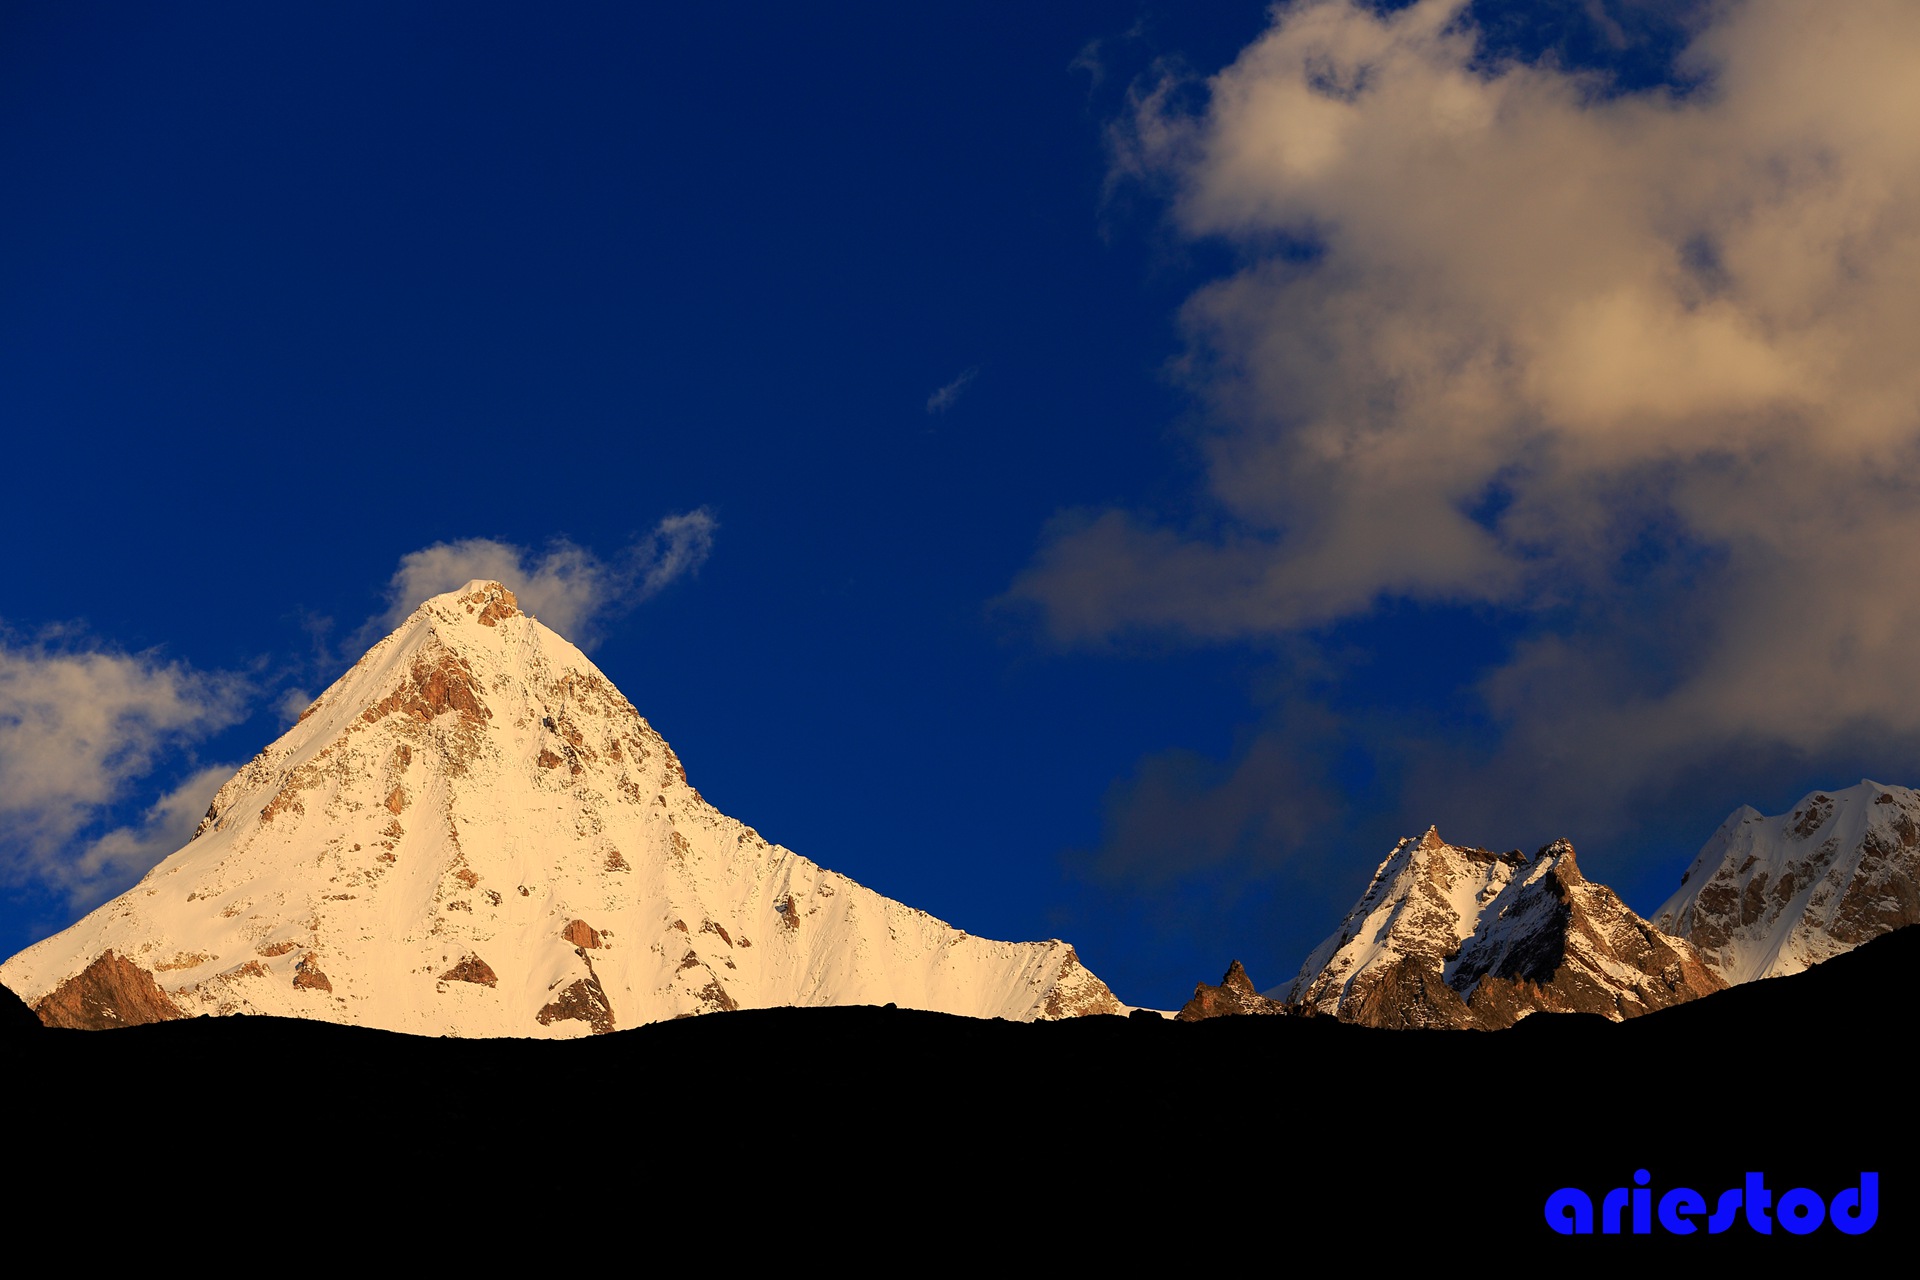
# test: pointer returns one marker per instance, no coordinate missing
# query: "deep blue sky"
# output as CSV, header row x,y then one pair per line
x,y
290,294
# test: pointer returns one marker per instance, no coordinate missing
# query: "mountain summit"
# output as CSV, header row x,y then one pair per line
x,y
472,833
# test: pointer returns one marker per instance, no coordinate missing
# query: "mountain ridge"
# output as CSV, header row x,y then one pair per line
x,y
1456,936
1772,895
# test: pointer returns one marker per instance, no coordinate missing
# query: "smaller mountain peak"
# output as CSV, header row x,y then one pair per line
x,y
1236,994
1432,839
1558,858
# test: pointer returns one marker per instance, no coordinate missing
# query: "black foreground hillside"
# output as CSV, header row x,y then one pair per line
x,y
1388,1141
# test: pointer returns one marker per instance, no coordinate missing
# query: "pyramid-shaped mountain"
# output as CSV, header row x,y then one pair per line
x,y
472,833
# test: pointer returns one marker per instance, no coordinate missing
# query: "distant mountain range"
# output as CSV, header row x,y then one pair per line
x,y
1451,936
1459,937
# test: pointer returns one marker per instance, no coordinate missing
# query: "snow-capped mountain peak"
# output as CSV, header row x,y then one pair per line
x,y
472,832
1773,895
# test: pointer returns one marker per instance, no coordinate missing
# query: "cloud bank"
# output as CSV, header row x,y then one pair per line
x,y
1635,370
566,586
79,731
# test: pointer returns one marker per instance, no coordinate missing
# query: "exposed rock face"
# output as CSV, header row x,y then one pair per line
x,y
1234,995
582,1000
307,975
717,998
1448,936
581,934
494,605
475,786
1423,903
1556,942
1773,895
472,969
1407,994
113,991
1076,993
439,681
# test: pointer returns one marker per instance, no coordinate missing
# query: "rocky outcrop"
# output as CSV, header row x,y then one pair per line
x,y
472,969
582,1000
495,604
307,975
113,991
1449,936
1235,995
716,998
581,934
1769,896
1410,994
1075,992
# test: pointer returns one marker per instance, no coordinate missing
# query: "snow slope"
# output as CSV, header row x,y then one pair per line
x,y
473,833
1774,895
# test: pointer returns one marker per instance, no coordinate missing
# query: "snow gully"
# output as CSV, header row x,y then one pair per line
x,y
1799,1211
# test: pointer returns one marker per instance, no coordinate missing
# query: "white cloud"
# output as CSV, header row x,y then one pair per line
x,y
105,865
290,704
1642,361
679,546
566,586
945,398
78,731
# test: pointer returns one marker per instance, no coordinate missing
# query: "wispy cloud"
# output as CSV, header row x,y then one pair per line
x,y
1090,61
943,399
1095,55
565,585
105,865
80,731
290,704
